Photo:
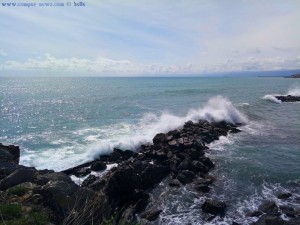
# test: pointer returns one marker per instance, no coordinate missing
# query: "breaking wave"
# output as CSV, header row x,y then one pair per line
x,y
272,98
216,109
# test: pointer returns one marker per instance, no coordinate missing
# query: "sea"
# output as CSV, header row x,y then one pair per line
x,y
60,122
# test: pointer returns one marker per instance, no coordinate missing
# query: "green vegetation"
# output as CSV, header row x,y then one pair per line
x,y
17,190
12,215
11,211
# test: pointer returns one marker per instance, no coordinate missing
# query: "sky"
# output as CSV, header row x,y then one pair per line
x,y
149,37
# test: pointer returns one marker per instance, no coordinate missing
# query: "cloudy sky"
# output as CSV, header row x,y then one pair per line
x,y
150,37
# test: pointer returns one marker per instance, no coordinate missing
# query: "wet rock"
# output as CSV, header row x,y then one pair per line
x,y
269,220
151,215
214,207
160,138
81,172
174,183
185,176
235,130
98,165
115,155
288,211
288,98
19,176
268,207
202,188
284,195
256,213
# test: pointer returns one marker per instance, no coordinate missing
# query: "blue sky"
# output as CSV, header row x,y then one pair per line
x,y
143,37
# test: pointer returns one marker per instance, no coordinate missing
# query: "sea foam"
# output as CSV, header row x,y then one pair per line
x,y
216,109
272,98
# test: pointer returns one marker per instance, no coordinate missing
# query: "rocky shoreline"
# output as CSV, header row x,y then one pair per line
x,y
288,98
121,194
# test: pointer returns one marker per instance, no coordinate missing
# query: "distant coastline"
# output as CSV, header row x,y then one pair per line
x,y
293,76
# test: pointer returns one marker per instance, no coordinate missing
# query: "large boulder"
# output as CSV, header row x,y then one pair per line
x,y
9,153
214,207
20,175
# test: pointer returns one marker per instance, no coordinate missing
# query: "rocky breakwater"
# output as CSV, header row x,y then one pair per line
x,y
179,154
119,196
288,98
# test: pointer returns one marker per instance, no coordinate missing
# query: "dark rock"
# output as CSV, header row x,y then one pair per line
x,y
288,211
160,139
235,130
206,161
185,176
115,155
19,176
10,153
43,177
207,180
89,180
214,207
202,188
7,168
269,220
293,221
288,98
254,214
151,215
174,183
127,154
235,223
81,172
98,165
268,207
199,167
284,195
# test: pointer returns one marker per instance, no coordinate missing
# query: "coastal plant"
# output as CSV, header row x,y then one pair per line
x,y
10,211
17,190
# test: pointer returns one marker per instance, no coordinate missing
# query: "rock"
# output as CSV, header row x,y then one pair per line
x,y
288,211
19,176
174,183
185,176
43,177
127,154
7,168
284,195
10,153
293,221
160,138
116,155
202,188
254,214
235,130
214,207
81,172
288,98
98,165
269,220
151,215
268,207
207,180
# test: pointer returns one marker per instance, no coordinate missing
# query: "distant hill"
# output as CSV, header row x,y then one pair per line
x,y
294,76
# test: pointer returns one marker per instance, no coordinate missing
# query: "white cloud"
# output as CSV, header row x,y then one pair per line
x,y
103,66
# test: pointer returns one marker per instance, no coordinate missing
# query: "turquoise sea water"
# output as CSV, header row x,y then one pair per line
x,y
61,122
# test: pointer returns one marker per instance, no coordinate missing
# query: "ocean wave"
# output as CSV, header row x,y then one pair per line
x,y
216,109
272,98
294,91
